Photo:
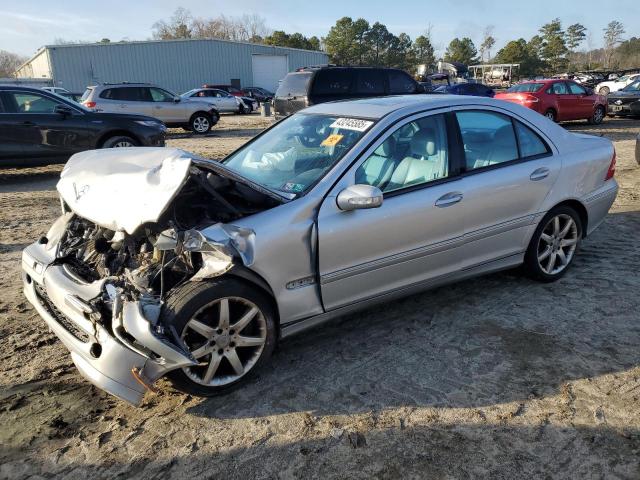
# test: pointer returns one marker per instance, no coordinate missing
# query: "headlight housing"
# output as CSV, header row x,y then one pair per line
x,y
151,123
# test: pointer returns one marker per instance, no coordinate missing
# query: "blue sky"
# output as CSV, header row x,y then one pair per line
x,y
29,24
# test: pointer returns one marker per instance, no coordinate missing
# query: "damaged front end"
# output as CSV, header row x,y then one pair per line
x,y
100,276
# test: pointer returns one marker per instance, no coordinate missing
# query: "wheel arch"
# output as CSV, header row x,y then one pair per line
x,y
580,209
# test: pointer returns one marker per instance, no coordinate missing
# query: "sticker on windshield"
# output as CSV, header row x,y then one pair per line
x,y
354,124
332,140
293,187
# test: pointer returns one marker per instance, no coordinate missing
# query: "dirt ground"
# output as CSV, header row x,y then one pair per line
x,y
496,377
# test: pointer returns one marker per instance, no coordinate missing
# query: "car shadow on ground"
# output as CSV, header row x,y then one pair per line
x,y
494,339
615,129
29,179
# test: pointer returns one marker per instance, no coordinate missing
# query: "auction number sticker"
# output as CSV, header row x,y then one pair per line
x,y
354,124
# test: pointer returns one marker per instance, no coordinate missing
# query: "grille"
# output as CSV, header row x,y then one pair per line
x,y
48,305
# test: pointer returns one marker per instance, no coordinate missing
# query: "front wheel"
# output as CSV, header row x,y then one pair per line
x,y
604,91
200,123
228,326
598,116
551,115
554,244
119,141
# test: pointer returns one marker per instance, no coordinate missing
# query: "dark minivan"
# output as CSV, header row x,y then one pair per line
x,y
312,85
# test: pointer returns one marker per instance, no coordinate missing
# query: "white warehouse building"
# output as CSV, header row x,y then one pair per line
x,y
178,65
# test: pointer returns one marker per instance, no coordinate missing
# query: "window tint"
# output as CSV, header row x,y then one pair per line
x,y
33,103
159,95
370,82
128,94
400,82
530,143
332,82
576,89
414,154
488,138
525,88
558,88
294,84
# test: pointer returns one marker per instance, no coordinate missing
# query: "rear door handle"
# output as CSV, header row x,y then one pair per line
x,y
449,199
539,174
28,123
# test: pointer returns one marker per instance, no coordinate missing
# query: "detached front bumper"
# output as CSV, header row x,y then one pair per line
x,y
63,300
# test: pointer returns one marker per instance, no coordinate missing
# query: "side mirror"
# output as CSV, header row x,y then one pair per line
x,y
357,197
176,99
63,110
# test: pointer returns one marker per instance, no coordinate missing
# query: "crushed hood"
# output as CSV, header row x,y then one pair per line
x,y
123,188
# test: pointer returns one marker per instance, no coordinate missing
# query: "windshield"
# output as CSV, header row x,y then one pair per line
x,y
633,87
190,92
525,88
298,151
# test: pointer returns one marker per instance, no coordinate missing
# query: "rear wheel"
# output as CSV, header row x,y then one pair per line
x,y
551,115
119,141
598,116
604,91
228,326
554,244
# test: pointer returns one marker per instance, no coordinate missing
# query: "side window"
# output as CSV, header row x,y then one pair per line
x,y
400,82
488,138
530,143
370,82
333,82
414,154
159,95
576,89
558,88
33,103
108,94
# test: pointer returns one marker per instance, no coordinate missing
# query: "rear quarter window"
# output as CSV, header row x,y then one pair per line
x,y
370,82
401,83
294,84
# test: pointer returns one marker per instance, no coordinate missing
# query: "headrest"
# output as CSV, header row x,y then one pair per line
x,y
423,143
387,148
504,136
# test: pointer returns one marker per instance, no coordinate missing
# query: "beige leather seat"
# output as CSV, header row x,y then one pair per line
x,y
424,163
378,168
503,148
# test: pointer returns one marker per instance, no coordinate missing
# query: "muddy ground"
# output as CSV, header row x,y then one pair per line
x,y
496,377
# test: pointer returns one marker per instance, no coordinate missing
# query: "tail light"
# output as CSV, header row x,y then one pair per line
x,y
89,104
528,98
612,167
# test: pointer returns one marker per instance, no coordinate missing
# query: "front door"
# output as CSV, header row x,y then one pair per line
x,y
508,173
409,240
10,142
165,107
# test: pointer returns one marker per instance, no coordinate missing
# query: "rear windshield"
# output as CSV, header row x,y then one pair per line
x,y
294,84
525,88
86,94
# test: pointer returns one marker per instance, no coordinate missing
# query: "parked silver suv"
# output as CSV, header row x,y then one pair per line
x,y
197,115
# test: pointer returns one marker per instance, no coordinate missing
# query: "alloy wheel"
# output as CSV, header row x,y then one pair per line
x,y
598,116
123,144
226,337
201,124
557,244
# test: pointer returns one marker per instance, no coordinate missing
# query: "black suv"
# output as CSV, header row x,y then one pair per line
x,y
312,85
39,127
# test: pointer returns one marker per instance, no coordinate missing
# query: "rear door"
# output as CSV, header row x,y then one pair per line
x,y
11,147
508,170
331,84
370,83
564,100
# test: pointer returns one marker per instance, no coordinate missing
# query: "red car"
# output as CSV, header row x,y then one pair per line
x,y
236,92
558,100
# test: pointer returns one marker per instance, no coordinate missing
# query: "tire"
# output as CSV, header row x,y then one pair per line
x,y
543,251
598,116
242,109
201,123
194,309
119,141
551,115
604,91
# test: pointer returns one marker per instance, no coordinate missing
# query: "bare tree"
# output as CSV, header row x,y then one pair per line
x,y
9,62
612,37
178,26
487,43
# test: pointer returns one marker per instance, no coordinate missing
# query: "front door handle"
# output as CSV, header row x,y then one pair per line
x,y
449,199
28,123
539,174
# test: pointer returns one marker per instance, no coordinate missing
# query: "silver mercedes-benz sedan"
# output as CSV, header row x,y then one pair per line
x,y
163,263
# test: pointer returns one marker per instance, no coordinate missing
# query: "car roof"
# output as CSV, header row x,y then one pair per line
x,y
378,107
